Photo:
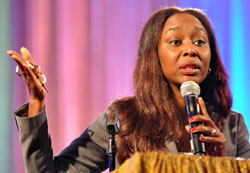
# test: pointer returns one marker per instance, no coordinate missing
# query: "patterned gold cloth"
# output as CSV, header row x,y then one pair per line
x,y
154,162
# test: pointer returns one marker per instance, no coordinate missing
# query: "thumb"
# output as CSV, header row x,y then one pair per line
x,y
187,128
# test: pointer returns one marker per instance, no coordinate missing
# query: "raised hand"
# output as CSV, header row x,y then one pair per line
x,y
32,77
214,139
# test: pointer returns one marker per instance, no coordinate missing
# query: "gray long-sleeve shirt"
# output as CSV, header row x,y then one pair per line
x,y
88,152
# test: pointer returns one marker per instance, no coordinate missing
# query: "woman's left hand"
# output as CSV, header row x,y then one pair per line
x,y
215,142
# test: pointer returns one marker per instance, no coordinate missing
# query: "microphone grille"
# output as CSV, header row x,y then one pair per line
x,y
190,88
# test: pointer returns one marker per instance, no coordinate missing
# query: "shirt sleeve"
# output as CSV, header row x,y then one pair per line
x,y
243,145
87,153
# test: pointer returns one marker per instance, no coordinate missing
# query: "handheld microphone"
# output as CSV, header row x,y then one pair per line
x,y
191,91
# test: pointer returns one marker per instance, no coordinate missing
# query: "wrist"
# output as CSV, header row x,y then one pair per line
x,y
35,106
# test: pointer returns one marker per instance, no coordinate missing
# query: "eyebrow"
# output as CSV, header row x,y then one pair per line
x,y
200,29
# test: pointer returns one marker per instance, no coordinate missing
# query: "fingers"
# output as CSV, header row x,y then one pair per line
x,y
23,59
18,58
203,107
214,139
26,55
30,72
22,63
32,77
206,120
28,58
206,130
187,127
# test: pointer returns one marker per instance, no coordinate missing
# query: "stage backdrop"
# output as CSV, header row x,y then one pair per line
x,y
87,49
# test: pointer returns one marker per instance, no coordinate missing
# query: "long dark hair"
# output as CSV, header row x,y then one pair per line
x,y
150,117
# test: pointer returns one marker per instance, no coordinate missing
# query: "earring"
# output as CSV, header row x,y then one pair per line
x,y
209,70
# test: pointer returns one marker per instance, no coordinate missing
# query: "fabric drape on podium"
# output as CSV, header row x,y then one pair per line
x,y
178,163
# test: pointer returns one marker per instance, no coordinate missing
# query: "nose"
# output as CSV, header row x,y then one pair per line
x,y
189,50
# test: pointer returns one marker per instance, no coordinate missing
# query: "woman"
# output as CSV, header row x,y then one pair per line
x,y
176,45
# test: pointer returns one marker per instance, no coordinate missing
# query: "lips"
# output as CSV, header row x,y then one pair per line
x,y
190,69
190,66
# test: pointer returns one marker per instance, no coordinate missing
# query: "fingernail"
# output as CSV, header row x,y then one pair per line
x,y
202,137
9,52
193,129
23,49
23,66
13,56
191,119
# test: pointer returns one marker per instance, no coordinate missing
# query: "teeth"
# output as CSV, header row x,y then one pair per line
x,y
190,67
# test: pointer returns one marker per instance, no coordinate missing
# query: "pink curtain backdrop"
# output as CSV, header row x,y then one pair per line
x,y
87,49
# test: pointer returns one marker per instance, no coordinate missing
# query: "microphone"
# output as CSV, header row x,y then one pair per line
x,y
191,91
113,126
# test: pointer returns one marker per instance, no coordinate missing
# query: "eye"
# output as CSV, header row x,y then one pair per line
x,y
199,42
175,42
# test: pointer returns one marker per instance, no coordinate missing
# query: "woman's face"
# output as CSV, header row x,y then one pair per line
x,y
184,50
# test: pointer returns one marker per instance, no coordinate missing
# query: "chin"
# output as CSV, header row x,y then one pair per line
x,y
192,78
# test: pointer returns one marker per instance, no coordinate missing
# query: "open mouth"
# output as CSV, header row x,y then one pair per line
x,y
190,66
190,69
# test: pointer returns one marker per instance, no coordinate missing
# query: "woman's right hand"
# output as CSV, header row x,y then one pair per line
x,y
32,78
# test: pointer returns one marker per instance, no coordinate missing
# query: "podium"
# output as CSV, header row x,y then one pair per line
x,y
154,162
